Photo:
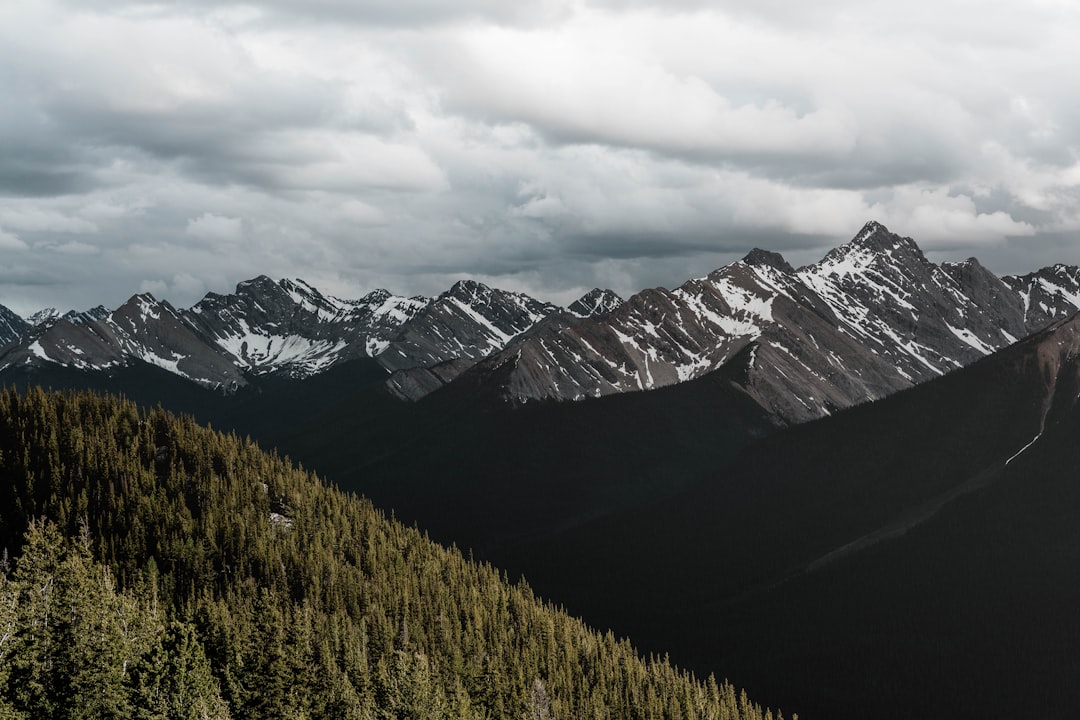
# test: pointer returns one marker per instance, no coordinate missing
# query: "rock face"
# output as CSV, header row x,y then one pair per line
x,y
142,329
12,327
872,317
1046,295
459,328
290,328
469,321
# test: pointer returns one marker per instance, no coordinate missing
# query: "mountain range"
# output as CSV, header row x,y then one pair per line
x,y
874,316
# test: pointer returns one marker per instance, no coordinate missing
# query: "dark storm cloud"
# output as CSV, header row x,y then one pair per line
x,y
28,177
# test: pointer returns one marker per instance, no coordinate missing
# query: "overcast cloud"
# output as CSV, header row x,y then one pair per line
x,y
549,147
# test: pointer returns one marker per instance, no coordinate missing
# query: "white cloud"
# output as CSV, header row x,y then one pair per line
x,y
27,217
10,241
182,284
215,227
942,220
331,161
157,288
361,213
583,85
75,247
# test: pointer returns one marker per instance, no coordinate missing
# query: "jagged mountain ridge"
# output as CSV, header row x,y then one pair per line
x,y
872,317
142,329
286,328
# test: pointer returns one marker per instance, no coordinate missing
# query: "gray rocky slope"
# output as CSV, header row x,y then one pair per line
x,y
872,317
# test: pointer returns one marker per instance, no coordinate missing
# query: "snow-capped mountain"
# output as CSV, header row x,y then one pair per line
x,y
142,329
285,328
469,321
289,327
872,317
43,316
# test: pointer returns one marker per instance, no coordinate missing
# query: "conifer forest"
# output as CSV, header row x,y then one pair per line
x,y
157,569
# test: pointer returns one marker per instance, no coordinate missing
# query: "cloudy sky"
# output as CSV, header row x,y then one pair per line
x,y
550,146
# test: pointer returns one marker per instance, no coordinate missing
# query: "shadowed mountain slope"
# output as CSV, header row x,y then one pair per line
x,y
900,555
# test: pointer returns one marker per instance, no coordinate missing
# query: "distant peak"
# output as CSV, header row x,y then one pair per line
x,y
873,244
595,302
261,281
1060,269
874,235
468,285
870,229
42,316
876,238
762,258
257,280
468,290
378,295
601,294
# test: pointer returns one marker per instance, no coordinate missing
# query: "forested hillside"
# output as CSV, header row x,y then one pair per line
x,y
161,570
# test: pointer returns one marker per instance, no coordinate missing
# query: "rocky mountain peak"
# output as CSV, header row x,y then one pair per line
x,y
766,258
376,297
259,281
45,315
143,306
875,237
469,292
874,246
595,302
970,272
262,288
